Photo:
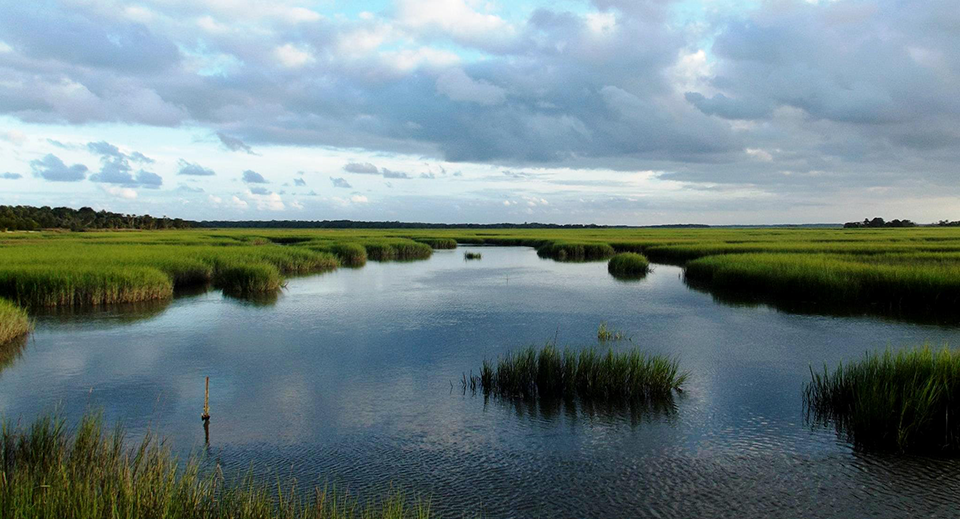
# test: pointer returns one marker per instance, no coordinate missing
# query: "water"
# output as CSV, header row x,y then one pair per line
x,y
352,378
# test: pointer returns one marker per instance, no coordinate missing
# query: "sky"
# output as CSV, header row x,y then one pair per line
x,y
635,112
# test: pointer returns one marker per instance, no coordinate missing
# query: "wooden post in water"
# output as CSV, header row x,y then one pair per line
x,y
206,403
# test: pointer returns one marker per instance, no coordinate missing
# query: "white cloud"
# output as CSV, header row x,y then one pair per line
x,y
407,60
121,192
238,203
359,199
458,86
291,56
215,200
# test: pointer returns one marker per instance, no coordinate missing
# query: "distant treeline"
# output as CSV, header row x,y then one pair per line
x,y
26,218
877,223
948,223
350,224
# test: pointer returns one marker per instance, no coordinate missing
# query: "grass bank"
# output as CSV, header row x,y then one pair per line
x,y
907,401
48,471
14,322
587,374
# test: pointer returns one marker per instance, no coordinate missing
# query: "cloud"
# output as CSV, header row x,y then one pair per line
x,y
394,174
234,144
359,199
53,169
259,190
340,182
15,137
121,192
430,175
299,182
458,86
10,176
364,168
115,167
193,169
184,188
238,203
252,177
291,56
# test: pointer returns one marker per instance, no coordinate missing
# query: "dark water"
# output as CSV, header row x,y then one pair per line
x,y
352,378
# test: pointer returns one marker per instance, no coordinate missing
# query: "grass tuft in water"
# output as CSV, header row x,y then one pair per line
x,y
628,265
587,374
48,471
472,256
248,279
906,401
605,333
14,322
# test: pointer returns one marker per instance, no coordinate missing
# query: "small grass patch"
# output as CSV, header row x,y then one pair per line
x,y
472,255
248,279
906,401
605,333
14,322
47,471
586,374
628,265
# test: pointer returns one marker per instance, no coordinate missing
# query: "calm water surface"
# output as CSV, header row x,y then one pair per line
x,y
352,378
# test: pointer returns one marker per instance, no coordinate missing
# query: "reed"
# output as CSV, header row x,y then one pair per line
x,y
903,401
628,265
472,256
14,322
248,279
438,243
587,374
605,333
397,249
572,251
48,471
64,285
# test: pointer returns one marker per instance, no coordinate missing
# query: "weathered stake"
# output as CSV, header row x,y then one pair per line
x,y
206,402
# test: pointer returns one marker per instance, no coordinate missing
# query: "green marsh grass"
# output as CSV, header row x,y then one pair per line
x,y
87,473
14,322
628,265
438,243
906,401
472,255
605,333
248,279
584,251
894,280
586,374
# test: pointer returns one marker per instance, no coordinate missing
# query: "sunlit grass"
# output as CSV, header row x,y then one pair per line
x,y
628,265
14,322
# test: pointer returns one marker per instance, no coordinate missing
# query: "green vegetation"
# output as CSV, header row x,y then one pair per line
x,y
586,374
569,251
26,218
628,265
438,243
14,322
396,249
47,472
472,256
247,279
605,333
905,401
923,280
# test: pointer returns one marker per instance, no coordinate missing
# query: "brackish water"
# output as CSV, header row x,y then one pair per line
x,y
352,378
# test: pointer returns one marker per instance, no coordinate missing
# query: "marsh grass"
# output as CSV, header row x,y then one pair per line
x,y
397,249
573,251
48,471
891,280
248,279
907,401
66,285
628,265
605,333
586,374
472,256
14,322
438,243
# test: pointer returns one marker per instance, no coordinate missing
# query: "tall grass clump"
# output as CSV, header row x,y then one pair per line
x,y
472,255
48,471
65,285
350,254
587,374
628,265
14,322
244,279
438,243
399,249
572,251
907,401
